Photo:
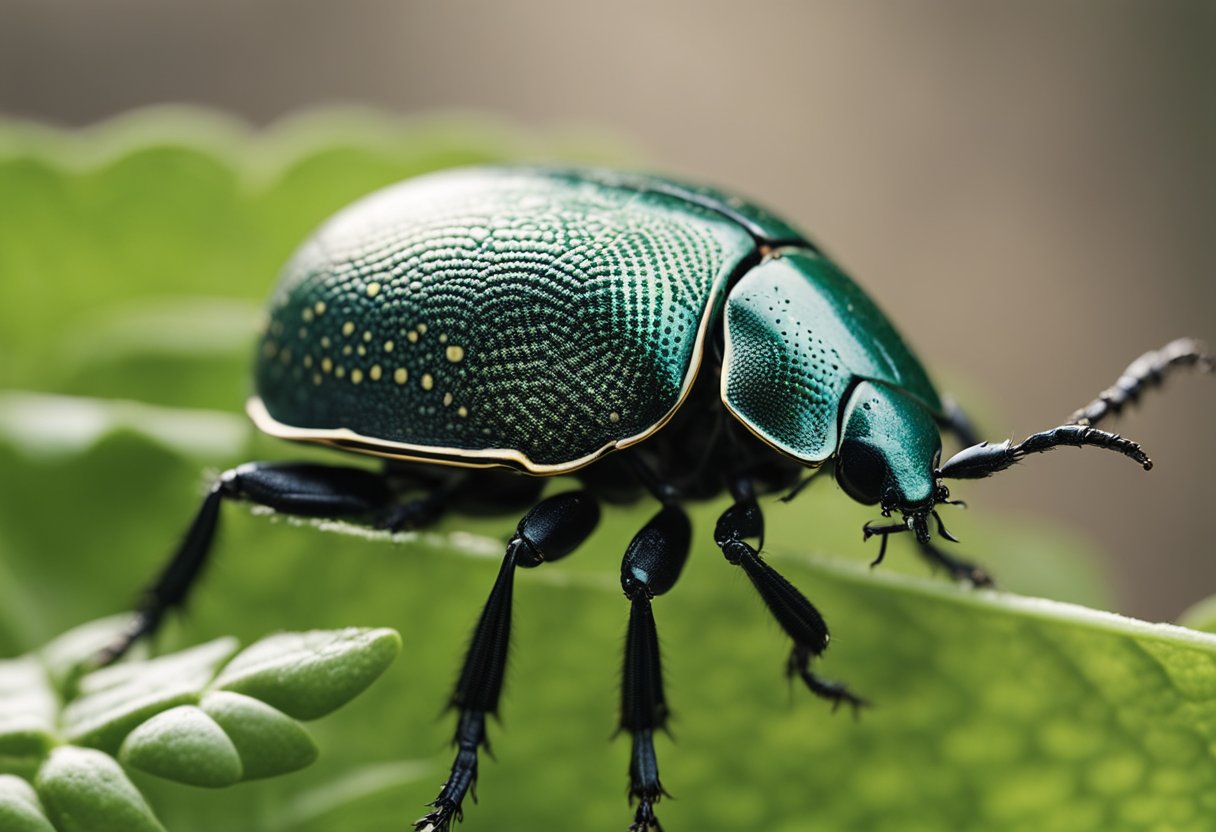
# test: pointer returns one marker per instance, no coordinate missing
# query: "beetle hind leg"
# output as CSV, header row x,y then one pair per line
x,y
300,489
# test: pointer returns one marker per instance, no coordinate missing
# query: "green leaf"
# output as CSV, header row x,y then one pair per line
x,y
307,675
184,744
164,716
20,810
131,255
27,719
1201,615
268,741
116,699
86,791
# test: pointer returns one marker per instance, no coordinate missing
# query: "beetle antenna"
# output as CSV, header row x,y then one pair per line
x,y
984,460
1147,371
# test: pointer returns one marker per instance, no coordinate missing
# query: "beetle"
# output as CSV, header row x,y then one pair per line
x,y
486,329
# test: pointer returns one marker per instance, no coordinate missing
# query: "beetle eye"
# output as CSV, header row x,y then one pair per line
x,y
861,471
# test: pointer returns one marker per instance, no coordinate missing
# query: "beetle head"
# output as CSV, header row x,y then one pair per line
x,y
888,454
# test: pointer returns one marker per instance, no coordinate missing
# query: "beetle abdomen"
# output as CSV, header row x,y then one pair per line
x,y
494,316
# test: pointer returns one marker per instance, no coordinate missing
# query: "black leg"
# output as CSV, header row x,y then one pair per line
x,y
550,531
808,478
1147,371
959,569
301,489
651,565
801,621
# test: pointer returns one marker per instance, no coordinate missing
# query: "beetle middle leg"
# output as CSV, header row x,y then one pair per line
x,y
743,521
550,531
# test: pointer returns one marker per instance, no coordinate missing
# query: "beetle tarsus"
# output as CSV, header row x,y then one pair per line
x,y
835,692
644,819
448,806
142,623
644,782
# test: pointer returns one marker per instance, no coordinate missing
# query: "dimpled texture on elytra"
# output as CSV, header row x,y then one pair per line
x,y
531,311
799,333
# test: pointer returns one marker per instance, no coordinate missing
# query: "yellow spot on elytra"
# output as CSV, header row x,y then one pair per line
x,y
302,332
388,346
319,307
614,417
412,336
422,329
269,349
462,411
316,378
325,342
447,399
306,315
307,361
348,329
367,335
347,350
455,353
427,381
285,356
375,372
356,375
362,350
443,338
339,371
400,375
373,289
326,365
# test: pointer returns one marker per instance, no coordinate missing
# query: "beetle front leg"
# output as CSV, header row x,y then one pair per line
x,y
651,565
959,568
796,615
550,531
300,489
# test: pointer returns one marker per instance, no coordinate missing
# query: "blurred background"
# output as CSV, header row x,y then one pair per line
x,y
1028,188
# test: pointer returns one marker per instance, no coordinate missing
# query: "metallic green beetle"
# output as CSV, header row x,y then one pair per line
x,y
484,329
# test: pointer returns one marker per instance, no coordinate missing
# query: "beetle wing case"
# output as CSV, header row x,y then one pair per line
x,y
523,317
799,334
